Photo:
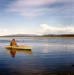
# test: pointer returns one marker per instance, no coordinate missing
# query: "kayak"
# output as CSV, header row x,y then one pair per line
x,y
19,50
20,47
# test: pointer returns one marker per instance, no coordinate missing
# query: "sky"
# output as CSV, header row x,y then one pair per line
x,y
36,17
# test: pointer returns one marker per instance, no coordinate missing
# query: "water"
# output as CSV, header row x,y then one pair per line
x,y
49,56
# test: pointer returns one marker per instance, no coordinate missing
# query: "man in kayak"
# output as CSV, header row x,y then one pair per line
x,y
13,43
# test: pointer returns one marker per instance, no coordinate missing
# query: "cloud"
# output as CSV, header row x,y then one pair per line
x,y
46,29
3,32
42,29
40,7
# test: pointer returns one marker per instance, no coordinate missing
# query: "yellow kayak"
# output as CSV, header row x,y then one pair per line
x,y
19,50
22,47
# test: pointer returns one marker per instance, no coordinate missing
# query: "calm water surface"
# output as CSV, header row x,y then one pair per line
x,y
49,56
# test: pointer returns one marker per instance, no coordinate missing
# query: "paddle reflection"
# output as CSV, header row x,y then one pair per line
x,y
14,51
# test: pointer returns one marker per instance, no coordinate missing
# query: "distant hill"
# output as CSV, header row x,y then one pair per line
x,y
34,35
20,35
60,35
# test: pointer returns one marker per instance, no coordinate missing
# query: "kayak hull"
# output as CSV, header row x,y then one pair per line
x,y
19,47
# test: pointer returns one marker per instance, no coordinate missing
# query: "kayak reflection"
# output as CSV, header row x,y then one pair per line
x,y
14,51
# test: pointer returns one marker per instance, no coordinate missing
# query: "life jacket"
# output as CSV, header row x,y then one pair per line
x,y
13,43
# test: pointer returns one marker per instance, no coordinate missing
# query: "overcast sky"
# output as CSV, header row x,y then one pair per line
x,y
36,17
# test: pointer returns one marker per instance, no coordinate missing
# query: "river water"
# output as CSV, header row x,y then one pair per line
x,y
49,56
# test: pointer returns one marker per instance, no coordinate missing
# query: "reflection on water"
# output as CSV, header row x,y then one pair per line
x,y
14,51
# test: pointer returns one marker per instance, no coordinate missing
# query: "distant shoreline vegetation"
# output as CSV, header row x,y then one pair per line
x,y
46,35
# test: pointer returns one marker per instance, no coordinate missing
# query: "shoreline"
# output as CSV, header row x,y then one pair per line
x,y
36,36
